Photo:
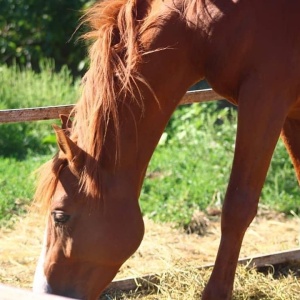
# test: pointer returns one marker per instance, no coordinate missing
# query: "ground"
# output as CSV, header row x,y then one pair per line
x,y
163,247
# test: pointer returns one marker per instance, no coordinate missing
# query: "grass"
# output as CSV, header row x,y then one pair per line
x,y
25,146
189,170
17,183
22,88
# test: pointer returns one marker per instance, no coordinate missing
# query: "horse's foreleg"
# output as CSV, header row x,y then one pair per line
x,y
260,120
291,137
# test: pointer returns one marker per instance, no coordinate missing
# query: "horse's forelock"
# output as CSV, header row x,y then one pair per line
x,y
47,181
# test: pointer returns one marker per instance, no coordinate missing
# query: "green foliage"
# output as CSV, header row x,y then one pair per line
x,y
34,29
22,88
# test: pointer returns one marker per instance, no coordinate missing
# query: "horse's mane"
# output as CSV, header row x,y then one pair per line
x,y
113,77
115,53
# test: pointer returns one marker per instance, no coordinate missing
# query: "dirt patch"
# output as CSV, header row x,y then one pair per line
x,y
163,248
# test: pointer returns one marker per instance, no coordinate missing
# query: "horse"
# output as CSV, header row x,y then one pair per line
x,y
144,55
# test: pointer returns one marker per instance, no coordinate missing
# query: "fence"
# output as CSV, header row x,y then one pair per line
x,y
11,293
53,112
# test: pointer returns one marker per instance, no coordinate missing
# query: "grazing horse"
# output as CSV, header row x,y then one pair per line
x,y
144,55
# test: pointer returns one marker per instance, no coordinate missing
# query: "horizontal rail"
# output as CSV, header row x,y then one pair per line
x,y
257,261
53,112
199,96
12,293
34,114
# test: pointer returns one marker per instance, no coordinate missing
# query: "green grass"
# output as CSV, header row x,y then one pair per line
x,y
189,170
25,146
281,189
17,183
21,88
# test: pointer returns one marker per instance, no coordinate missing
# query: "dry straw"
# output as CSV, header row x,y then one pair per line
x,y
173,254
183,283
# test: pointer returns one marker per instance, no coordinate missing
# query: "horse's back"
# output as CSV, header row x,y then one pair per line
x,y
254,37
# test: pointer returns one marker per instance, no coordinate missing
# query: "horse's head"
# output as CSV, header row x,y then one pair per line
x,y
87,239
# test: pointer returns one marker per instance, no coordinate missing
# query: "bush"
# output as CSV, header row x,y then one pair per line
x,y
35,29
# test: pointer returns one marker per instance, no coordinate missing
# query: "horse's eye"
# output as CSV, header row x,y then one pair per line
x,y
60,218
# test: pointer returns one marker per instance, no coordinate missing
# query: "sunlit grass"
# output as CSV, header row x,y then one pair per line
x,y
190,169
17,182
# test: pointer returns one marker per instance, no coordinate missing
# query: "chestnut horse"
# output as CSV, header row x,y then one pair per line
x,y
144,55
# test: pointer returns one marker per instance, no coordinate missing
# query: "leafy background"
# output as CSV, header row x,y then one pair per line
x,y
35,29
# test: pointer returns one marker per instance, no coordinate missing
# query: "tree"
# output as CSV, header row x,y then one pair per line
x,y
35,29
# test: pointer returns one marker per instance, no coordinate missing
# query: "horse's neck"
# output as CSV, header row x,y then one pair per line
x,y
224,34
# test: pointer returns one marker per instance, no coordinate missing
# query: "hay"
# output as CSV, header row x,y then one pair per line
x,y
164,246
183,283
19,250
171,251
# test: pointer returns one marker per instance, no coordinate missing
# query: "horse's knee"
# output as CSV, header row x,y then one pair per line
x,y
239,210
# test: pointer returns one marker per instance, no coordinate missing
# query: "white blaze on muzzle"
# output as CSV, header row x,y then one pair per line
x,y
40,284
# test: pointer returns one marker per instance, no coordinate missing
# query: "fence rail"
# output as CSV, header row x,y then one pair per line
x,y
12,293
255,261
53,112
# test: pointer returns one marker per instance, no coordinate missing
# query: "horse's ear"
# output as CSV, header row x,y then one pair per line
x,y
66,122
141,9
70,149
